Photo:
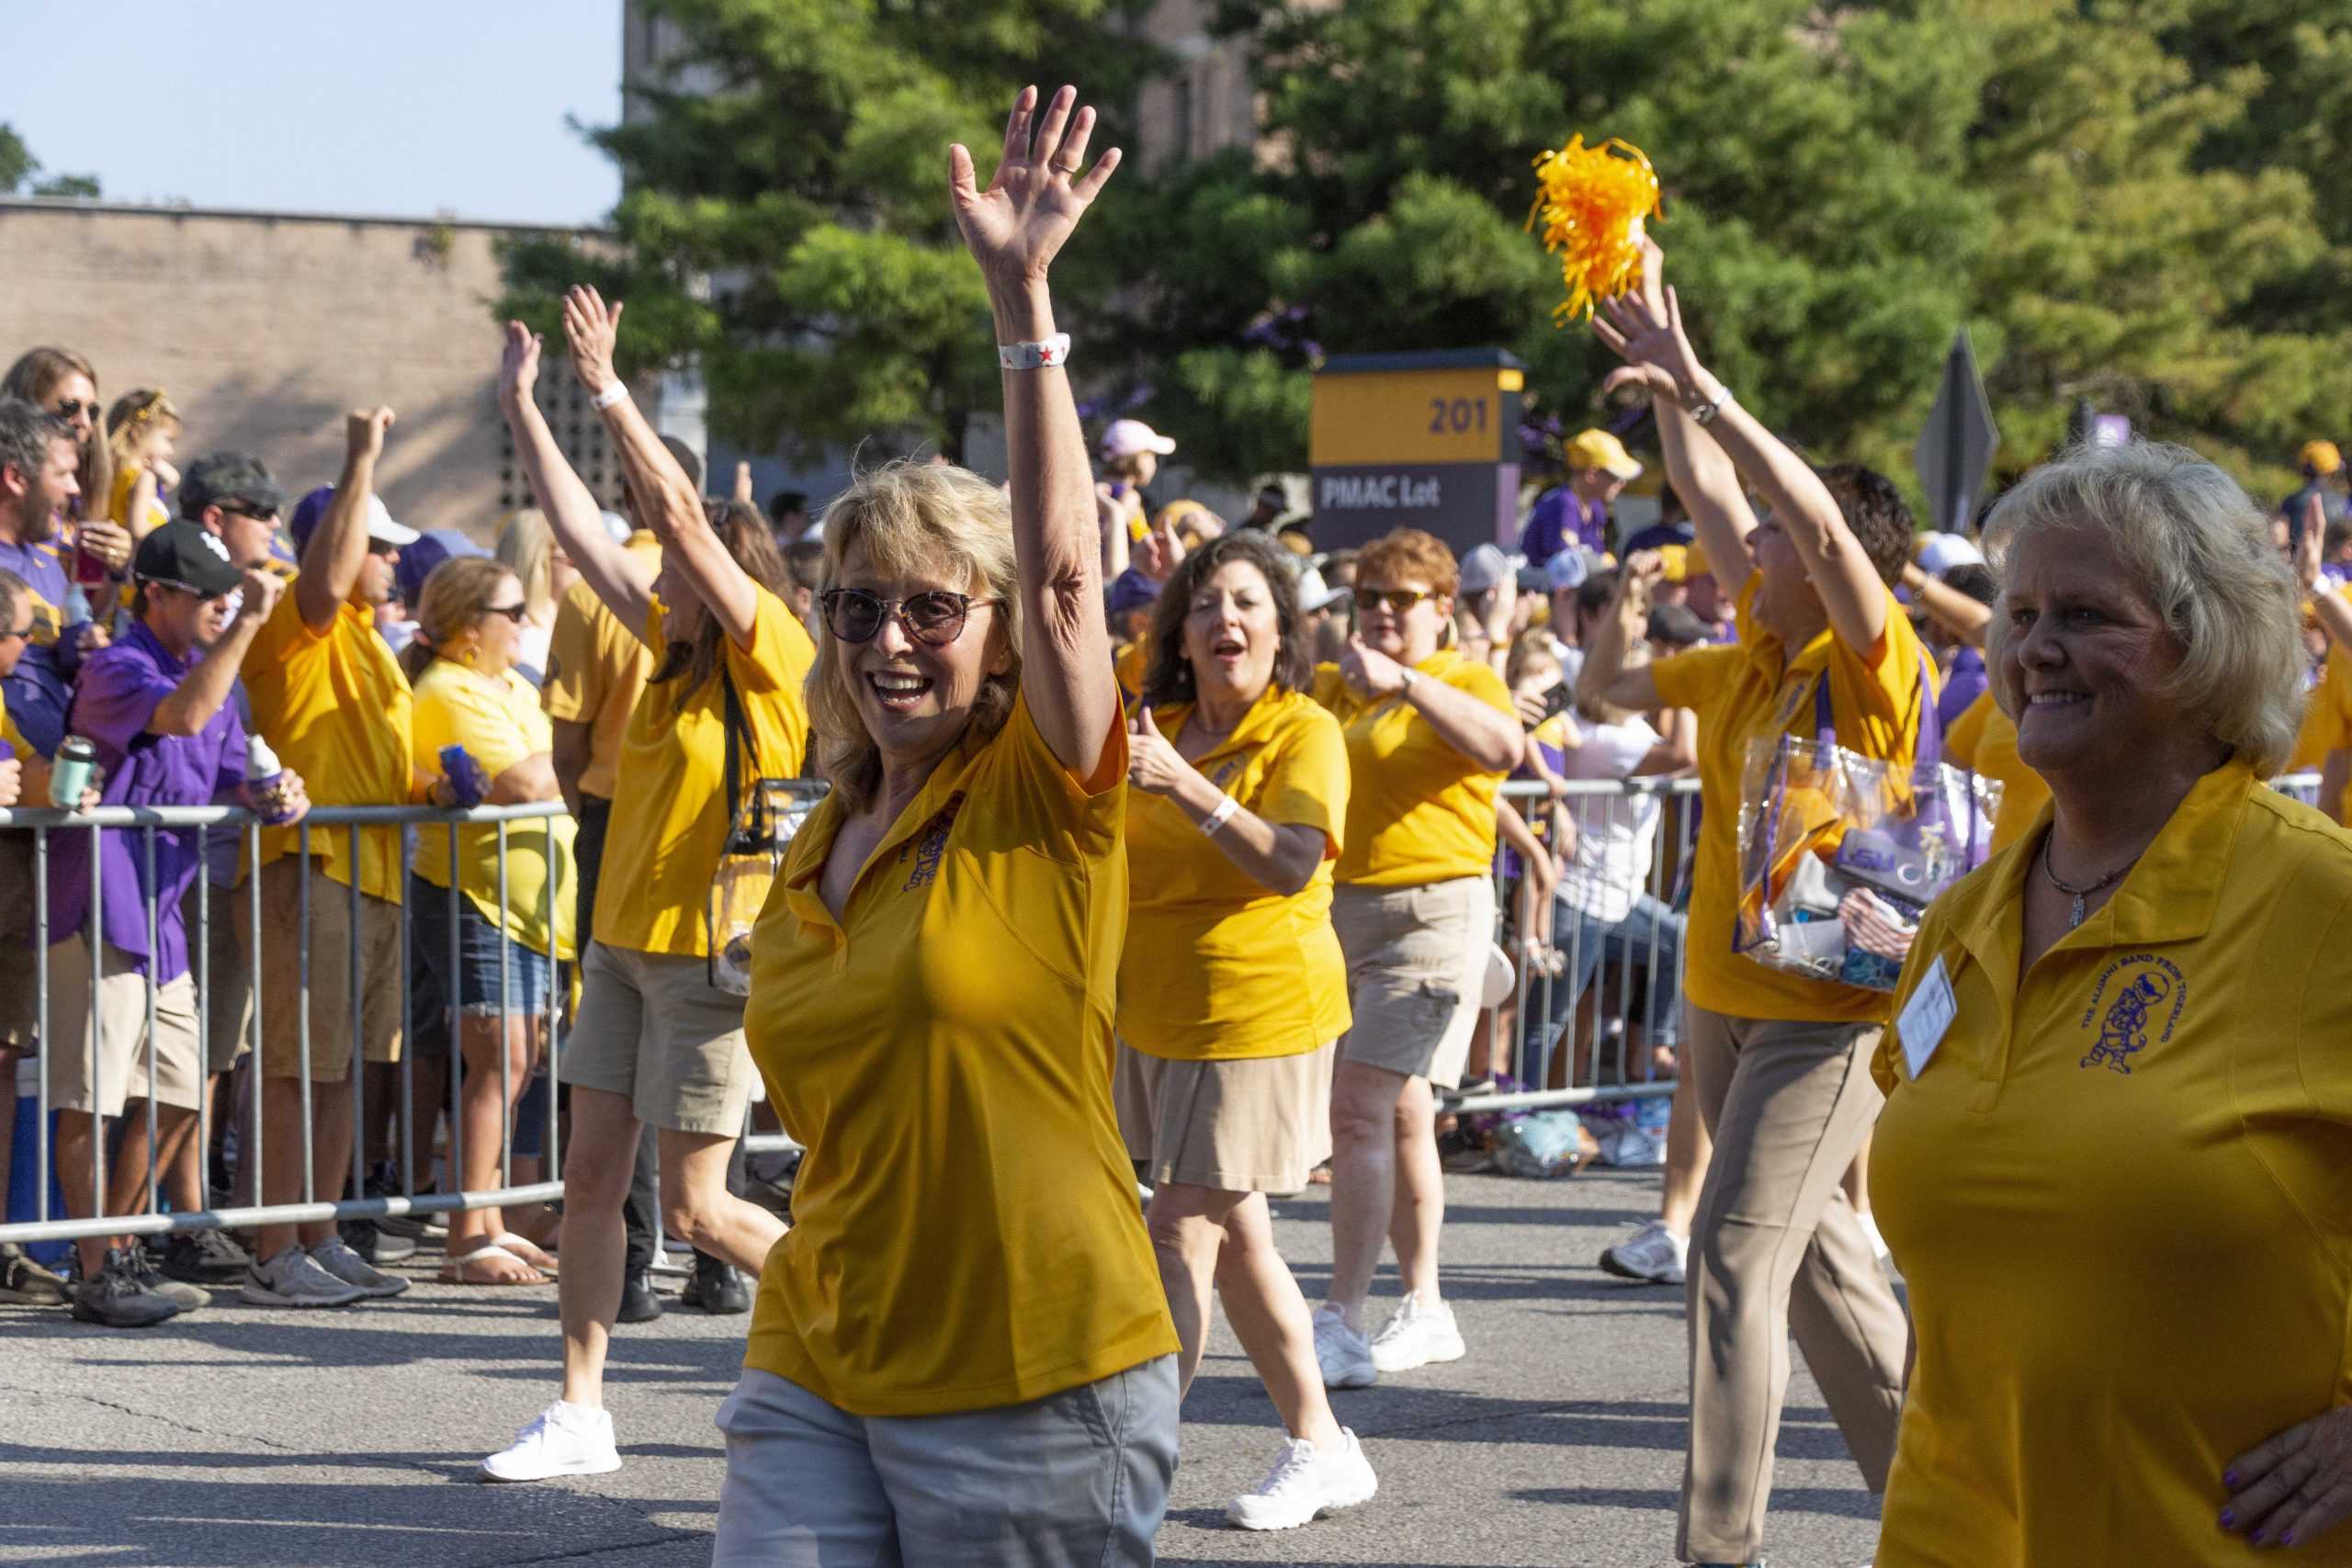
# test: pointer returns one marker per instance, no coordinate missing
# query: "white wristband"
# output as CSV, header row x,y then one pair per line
x,y
1220,817
1041,355
1705,412
609,396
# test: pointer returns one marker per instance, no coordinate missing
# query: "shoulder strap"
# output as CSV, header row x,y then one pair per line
x,y
740,740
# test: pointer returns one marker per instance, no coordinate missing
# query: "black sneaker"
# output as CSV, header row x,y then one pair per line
x,y
639,1303
24,1282
717,1288
118,1298
372,1242
179,1292
205,1258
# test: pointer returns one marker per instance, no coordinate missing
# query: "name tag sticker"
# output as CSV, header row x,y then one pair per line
x,y
1925,1017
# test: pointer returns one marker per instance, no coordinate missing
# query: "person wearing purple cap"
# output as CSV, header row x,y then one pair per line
x,y
158,707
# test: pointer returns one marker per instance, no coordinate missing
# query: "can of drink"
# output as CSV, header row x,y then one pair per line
x,y
464,774
76,764
263,771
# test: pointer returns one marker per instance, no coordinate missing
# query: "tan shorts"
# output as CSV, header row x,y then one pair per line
x,y
224,984
1417,961
654,1029
381,979
123,1034
1254,1125
16,978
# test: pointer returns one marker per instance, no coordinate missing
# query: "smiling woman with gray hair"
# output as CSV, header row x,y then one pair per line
x,y
2115,1165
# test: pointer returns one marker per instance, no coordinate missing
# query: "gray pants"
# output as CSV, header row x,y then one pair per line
x,y
1077,1478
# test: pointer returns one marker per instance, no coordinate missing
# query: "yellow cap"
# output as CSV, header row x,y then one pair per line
x,y
1599,449
1676,560
2321,457
1694,562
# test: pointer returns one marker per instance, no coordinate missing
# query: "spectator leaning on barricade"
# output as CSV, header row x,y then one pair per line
x,y
952,1370
2118,1085
660,1036
158,708
469,694
1779,1061
328,697
1232,987
1429,735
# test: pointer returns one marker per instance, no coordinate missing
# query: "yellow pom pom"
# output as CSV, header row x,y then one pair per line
x,y
1592,206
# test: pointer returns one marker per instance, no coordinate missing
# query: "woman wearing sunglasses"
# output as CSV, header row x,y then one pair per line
x,y
63,382
1430,734
960,1354
658,1038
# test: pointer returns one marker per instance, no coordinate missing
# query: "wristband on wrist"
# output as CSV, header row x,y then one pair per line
x,y
1220,817
1041,355
1704,414
609,396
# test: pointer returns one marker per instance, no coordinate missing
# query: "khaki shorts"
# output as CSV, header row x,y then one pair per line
x,y
1254,1125
1416,960
654,1029
16,979
123,1034
381,979
224,984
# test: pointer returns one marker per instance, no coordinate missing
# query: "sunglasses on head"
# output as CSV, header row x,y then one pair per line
x,y
934,619
513,613
1396,601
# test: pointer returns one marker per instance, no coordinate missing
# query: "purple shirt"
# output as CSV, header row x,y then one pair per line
x,y
1558,520
119,692
39,692
1961,687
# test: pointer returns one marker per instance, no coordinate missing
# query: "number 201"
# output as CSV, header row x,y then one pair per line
x,y
1459,415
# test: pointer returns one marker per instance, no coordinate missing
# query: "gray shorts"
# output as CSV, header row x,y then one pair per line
x,y
1078,1477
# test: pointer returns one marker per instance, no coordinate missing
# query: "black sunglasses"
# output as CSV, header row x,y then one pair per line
x,y
70,408
249,509
934,619
513,613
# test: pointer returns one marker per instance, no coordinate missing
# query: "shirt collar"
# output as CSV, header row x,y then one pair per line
x,y
148,643
1270,705
805,862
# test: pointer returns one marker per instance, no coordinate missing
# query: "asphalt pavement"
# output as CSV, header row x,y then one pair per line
x,y
272,1439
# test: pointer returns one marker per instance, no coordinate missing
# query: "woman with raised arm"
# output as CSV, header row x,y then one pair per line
x,y
960,1353
659,1037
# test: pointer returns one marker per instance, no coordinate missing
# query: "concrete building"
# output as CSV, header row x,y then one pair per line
x,y
266,328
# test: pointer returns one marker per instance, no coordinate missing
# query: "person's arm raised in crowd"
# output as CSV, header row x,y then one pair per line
x,y
1013,229
2329,606
619,579
1850,590
574,743
333,559
205,688
1964,617
1605,677
1280,857
668,502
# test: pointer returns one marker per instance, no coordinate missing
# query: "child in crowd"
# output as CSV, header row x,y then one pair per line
x,y
142,436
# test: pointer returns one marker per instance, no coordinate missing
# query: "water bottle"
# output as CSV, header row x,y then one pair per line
x,y
264,773
70,775
464,775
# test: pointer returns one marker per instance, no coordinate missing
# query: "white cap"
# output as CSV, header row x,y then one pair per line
x,y
1939,553
1314,594
261,763
1128,436
382,529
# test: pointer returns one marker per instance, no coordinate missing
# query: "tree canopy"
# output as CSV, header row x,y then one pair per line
x,y
20,172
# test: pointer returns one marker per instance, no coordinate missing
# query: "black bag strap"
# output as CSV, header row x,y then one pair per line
x,y
740,739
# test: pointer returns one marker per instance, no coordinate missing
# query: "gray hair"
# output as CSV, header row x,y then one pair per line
x,y
2205,556
26,433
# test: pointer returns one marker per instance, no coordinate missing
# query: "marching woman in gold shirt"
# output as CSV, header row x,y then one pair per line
x,y
2115,1164
1232,987
959,1354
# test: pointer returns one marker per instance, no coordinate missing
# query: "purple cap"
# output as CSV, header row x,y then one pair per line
x,y
1131,589
417,561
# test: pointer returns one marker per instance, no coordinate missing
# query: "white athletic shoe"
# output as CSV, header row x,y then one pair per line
x,y
1653,1253
339,1258
562,1440
1416,1337
294,1279
1870,1230
1305,1484
1344,1354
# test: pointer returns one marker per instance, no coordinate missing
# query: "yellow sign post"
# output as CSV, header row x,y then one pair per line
x,y
1426,440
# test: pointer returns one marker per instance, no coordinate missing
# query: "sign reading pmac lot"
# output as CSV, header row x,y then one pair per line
x,y
1415,440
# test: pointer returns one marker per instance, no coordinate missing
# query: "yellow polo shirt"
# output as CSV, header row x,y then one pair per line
x,y
1985,740
1755,690
1128,665
2121,1189
668,824
596,670
965,1228
337,710
1217,966
2327,725
1418,811
500,723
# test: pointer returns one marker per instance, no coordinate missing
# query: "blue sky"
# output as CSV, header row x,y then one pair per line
x,y
407,109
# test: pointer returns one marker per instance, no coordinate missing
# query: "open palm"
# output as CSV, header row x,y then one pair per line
x,y
1015,227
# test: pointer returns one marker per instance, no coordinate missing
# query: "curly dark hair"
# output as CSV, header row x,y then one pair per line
x,y
1169,676
1881,519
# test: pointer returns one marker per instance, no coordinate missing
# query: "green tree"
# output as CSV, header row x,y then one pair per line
x,y
20,169
784,218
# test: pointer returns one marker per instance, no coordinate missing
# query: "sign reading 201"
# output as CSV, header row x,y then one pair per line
x,y
1458,416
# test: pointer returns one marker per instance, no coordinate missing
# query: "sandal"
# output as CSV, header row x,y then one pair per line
x,y
530,1251
455,1270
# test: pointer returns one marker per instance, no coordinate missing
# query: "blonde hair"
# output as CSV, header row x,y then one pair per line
x,y
526,549
911,518
2203,553
130,420
454,598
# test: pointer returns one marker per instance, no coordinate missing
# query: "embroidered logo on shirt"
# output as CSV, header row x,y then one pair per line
x,y
1225,772
932,847
2142,986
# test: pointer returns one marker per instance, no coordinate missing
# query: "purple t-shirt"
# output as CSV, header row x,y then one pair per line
x,y
43,688
117,695
1961,687
1558,520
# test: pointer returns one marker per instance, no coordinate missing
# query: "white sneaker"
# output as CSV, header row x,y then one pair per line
x,y
562,1440
1870,1230
1654,1254
1344,1354
294,1279
1416,1337
1305,1484
338,1258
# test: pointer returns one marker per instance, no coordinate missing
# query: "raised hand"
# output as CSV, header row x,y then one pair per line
x,y
1160,552
260,593
1645,330
518,364
1369,672
1041,186
363,432
743,484
592,330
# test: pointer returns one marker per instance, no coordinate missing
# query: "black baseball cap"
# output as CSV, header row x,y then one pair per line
x,y
235,481
180,554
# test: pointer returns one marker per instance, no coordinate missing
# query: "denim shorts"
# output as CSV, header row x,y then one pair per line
x,y
480,946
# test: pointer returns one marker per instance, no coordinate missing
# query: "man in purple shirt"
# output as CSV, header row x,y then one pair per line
x,y
1577,513
158,708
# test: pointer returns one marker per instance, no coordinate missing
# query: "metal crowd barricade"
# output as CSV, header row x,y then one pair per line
x,y
147,822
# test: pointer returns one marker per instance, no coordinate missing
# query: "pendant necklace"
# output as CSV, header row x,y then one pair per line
x,y
2075,917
